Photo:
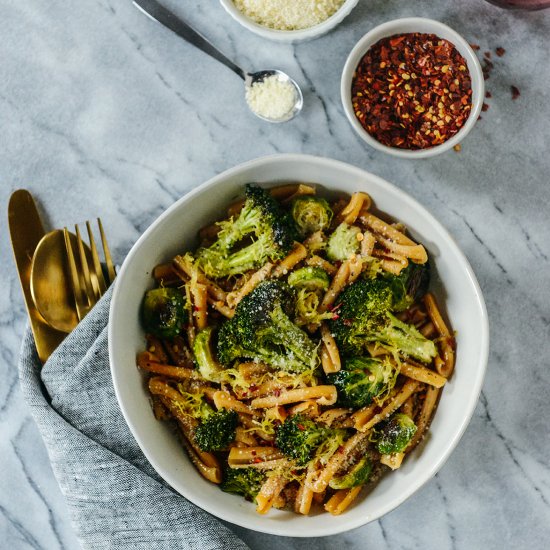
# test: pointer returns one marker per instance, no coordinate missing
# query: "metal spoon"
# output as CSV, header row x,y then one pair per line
x,y
50,287
160,14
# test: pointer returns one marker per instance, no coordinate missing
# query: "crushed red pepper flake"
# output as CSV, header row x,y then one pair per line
x,y
412,91
474,47
515,92
487,55
500,51
487,68
488,94
485,107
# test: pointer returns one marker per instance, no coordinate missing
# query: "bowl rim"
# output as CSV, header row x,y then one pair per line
x,y
393,27
290,36
469,404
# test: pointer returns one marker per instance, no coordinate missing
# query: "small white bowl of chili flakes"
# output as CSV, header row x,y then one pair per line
x,y
412,88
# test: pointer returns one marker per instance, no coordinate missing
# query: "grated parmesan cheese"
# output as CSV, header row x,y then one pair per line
x,y
272,98
288,15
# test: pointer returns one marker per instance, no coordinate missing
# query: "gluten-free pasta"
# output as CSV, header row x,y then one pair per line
x,y
297,351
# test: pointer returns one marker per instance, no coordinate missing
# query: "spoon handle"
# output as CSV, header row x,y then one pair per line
x,y
160,14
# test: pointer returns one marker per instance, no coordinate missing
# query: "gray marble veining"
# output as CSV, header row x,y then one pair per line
x,y
104,112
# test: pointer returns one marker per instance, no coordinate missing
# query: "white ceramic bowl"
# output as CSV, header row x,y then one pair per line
x,y
289,36
409,25
175,231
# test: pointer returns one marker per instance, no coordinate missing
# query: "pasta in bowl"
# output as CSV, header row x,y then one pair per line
x,y
297,348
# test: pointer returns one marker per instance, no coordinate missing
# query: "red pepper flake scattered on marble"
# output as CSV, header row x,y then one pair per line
x,y
474,47
412,91
488,94
485,107
487,55
487,68
500,51
515,92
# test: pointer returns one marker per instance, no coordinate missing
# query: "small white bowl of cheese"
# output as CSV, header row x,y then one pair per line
x,y
289,20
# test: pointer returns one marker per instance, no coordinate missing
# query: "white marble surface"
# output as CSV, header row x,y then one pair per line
x,y
104,113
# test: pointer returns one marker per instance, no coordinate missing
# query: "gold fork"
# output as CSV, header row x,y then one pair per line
x,y
88,284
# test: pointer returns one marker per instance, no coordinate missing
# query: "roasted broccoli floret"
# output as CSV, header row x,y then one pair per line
x,y
310,278
364,316
301,439
163,312
229,347
358,475
409,286
343,243
263,231
243,481
362,379
216,429
311,283
261,330
311,214
394,435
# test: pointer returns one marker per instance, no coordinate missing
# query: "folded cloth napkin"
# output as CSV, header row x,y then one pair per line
x,y
114,496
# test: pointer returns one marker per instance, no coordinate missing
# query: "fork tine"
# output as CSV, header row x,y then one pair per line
x,y
75,279
108,260
102,287
88,285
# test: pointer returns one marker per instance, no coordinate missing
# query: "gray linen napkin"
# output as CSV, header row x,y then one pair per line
x,y
115,498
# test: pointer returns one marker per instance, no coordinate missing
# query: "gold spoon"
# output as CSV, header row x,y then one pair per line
x,y
50,283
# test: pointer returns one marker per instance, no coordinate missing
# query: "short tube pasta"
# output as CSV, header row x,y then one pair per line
x,y
341,500
350,212
425,415
258,373
250,455
445,364
200,313
270,490
310,408
223,400
233,298
330,356
369,419
298,253
336,286
324,395
170,371
422,374
417,253
380,227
